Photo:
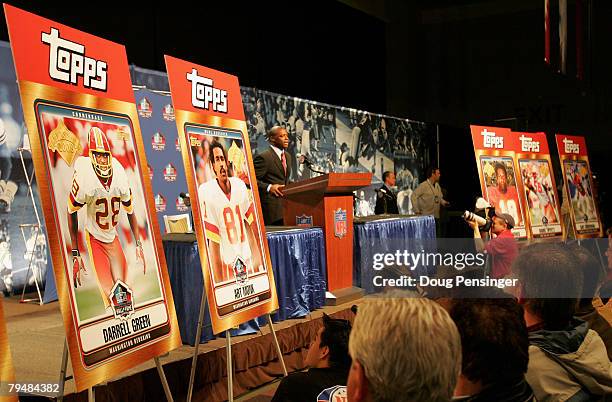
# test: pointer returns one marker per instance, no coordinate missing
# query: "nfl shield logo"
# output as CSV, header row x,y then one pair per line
x,y
340,223
303,220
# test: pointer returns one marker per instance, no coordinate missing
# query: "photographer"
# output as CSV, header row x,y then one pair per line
x,y
502,248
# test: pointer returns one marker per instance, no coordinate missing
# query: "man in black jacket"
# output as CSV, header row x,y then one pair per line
x,y
273,169
386,201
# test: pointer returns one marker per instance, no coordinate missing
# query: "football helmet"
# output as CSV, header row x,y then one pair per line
x,y
99,144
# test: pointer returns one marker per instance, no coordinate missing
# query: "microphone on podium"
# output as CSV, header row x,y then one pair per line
x,y
303,159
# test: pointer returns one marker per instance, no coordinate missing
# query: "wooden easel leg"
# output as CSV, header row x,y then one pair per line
x,y
63,368
278,349
162,377
194,360
230,372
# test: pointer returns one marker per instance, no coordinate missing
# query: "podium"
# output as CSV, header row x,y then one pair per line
x,y
327,201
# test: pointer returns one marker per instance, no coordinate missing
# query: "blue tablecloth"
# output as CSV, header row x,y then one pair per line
x,y
298,262
386,236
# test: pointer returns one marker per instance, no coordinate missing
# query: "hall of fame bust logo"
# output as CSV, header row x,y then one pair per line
x,y
168,112
170,173
240,271
180,204
334,394
303,220
160,203
177,144
122,300
150,172
158,142
340,223
145,108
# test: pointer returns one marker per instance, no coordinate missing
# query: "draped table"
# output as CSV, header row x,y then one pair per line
x,y
386,235
298,263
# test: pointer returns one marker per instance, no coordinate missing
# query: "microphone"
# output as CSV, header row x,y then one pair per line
x,y
303,159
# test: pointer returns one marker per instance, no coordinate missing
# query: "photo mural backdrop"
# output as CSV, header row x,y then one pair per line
x,y
335,139
22,253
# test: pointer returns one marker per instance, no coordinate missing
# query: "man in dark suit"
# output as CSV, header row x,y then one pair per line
x,y
273,168
386,201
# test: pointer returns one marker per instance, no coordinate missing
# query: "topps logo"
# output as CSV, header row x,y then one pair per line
x,y
529,145
67,62
203,94
571,147
490,140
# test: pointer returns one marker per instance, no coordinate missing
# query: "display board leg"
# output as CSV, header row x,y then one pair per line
x,y
91,395
63,369
230,370
194,360
29,180
33,228
162,377
278,349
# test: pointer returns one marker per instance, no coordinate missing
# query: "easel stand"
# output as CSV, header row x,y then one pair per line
x,y
228,349
35,227
91,392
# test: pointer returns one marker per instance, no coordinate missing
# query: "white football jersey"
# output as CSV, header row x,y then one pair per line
x,y
224,218
103,204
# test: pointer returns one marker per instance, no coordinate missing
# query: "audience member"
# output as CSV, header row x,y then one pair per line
x,y
404,349
494,344
328,361
567,360
592,276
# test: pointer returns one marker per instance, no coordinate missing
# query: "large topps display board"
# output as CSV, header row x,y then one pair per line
x,y
238,277
87,148
578,185
493,147
538,187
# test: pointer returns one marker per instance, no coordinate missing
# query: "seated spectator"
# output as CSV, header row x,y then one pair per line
x,y
403,349
567,360
494,346
592,276
328,361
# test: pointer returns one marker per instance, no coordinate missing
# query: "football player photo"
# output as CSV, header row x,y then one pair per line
x,y
100,184
501,186
579,190
227,207
539,192
101,213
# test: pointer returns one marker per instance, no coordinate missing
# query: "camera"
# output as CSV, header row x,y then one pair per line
x,y
482,215
472,217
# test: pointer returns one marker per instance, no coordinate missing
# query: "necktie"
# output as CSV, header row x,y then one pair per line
x,y
284,161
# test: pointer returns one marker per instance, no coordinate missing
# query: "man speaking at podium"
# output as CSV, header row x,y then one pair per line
x,y
273,168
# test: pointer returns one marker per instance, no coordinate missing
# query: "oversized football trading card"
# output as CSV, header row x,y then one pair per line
x,y
91,169
498,174
238,276
537,182
578,186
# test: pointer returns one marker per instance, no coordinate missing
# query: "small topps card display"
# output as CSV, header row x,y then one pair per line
x,y
101,211
238,269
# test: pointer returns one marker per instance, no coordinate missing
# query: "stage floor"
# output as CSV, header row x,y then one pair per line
x,y
36,336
